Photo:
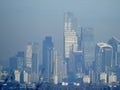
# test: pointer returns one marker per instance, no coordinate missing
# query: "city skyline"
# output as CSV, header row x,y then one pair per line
x,y
30,21
60,44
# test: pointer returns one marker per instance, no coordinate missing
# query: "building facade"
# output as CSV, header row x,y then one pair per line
x,y
70,35
115,43
103,57
87,45
47,58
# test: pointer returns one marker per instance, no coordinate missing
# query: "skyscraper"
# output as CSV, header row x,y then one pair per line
x,y
32,61
13,63
59,68
70,35
76,63
47,57
87,45
55,66
20,60
115,43
28,61
35,61
103,57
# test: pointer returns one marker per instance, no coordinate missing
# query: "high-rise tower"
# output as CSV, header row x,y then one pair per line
x,y
115,43
28,61
70,36
47,57
35,61
32,61
87,45
103,57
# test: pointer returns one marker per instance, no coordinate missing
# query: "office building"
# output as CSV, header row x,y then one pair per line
x,y
35,61
76,63
86,79
55,66
70,35
32,61
20,60
47,57
112,78
115,43
17,75
25,77
13,63
87,45
103,77
103,57
28,56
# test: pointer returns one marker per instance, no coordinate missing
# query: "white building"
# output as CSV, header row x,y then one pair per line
x,y
26,77
70,35
29,56
112,78
17,75
103,77
86,79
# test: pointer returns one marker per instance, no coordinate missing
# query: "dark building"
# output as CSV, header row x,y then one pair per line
x,y
76,65
17,62
47,57
115,43
103,58
87,45
13,63
35,61
20,60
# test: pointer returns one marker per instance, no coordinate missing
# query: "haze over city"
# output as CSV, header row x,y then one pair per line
x,y
30,21
65,44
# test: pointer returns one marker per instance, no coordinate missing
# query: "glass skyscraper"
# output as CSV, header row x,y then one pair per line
x,y
87,45
115,43
35,61
103,57
70,36
47,57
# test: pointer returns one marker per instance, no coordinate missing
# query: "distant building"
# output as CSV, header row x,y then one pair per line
x,y
55,67
26,76
112,78
86,79
115,43
3,75
47,58
35,61
103,78
103,57
20,60
17,61
28,61
76,63
59,68
63,69
32,61
70,35
87,45
13,63
17,75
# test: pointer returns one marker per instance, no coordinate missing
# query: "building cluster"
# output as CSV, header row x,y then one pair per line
x,y
82,61
88,62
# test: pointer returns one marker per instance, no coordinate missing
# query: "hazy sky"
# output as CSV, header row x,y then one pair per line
x,y
23,21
